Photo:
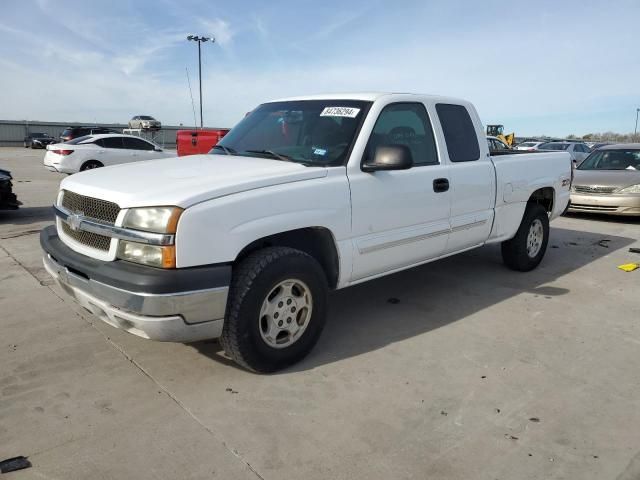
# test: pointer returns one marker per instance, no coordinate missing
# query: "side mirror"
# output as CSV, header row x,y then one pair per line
x,y
389,157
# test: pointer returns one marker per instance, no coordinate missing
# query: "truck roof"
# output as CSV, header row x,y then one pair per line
x,y
368,96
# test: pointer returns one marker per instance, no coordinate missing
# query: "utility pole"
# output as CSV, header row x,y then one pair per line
x,y
195,38
635,132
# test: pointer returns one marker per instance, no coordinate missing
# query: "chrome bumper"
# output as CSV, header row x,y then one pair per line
x,y
173,317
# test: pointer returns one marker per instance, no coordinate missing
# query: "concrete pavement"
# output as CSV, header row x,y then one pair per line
x,y
474,372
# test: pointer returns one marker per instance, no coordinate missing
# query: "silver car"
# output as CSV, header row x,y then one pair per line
x,y
578,150
144,122
608,181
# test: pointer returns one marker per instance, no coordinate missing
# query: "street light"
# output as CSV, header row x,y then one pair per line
x,y
196,38
635,132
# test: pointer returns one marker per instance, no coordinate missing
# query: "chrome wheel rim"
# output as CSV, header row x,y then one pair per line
x,y
285,313
534,238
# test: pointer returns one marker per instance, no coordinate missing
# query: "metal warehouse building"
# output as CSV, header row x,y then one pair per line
x,y
12,132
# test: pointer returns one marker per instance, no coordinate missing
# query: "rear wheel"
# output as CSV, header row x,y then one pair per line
x,y
276,309
526,249
90,165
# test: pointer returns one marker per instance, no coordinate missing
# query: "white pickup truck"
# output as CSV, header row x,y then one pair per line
x,y
304,195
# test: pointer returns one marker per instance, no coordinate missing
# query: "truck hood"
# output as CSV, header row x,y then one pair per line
x,y
185,181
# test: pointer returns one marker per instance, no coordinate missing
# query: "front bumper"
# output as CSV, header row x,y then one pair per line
x,y
628,205
181,305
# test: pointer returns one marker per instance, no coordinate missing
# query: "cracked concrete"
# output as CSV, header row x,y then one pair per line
x,y
490,348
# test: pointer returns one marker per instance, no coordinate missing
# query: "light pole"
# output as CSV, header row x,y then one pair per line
x,y
196,38
635,132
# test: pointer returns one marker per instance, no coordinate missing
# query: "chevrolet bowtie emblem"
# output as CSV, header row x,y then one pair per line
x,y
74,221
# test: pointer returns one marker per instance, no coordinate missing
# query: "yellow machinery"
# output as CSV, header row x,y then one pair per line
x,y
498,131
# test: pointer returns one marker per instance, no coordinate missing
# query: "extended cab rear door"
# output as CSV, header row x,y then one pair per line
x,y
399,218
472,176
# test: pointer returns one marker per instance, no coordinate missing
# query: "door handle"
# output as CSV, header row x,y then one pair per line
x,y
440,185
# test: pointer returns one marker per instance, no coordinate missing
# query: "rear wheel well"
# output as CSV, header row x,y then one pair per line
x,y
543,196
315,241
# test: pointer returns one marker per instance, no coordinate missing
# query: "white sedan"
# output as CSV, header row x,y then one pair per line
x,y
94,151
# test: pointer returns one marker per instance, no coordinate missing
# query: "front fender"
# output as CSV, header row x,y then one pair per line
x,y
217,230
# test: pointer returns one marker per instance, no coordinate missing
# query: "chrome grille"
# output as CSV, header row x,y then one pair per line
x,y
593,189
90,239
90,207
593,208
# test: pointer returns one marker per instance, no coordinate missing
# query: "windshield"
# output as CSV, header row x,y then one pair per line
x,y
39,134
145,117
311,132
78,140
612,160
527,144
553,146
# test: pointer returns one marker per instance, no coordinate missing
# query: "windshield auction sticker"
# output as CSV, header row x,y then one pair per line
x,y
340,112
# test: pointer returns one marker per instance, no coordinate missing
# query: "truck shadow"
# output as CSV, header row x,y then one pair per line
x,y
26,215
372,315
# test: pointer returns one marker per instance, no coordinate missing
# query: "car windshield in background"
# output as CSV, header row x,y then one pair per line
x,y
527,144
612,160
78,140
311,132
38,135
553,146
143,117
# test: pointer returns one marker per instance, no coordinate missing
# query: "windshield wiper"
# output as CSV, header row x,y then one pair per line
x,y
227,150
279,156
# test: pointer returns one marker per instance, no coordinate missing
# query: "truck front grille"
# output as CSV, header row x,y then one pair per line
x,y
90,239
93,208
90,207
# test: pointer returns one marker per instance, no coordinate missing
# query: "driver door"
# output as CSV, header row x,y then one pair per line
x,y
401,217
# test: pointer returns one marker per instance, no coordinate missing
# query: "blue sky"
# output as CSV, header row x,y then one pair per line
x,y
538,67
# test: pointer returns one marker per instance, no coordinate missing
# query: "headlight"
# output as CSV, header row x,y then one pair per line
x,y
153,255
153,219
630,189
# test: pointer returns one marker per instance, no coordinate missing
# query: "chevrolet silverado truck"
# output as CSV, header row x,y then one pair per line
x,y
303,196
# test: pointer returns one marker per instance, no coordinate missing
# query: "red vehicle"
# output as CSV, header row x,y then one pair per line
x,y
192,142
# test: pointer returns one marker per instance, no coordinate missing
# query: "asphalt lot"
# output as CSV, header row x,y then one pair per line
x,y
476,372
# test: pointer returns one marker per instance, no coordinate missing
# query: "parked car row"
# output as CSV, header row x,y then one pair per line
x,y
41,140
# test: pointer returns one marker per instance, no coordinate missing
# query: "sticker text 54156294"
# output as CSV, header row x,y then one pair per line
x,y
340,112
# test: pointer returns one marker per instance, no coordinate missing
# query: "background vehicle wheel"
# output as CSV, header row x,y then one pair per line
x,y
276,309
90,165
525,251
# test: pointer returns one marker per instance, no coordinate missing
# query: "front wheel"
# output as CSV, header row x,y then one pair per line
x,y
525,250
276,309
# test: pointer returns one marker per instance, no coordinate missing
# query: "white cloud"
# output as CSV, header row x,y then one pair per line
x,y
220,29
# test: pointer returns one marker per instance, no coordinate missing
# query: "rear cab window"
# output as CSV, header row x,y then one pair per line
x,y
459,132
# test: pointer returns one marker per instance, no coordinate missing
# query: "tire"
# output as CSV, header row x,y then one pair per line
x,y
254,305
90,165
525,250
